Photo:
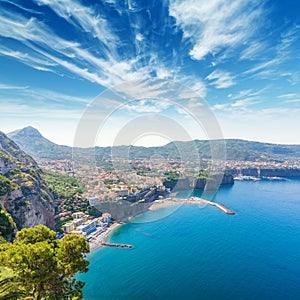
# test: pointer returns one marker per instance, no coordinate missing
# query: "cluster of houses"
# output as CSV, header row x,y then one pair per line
x,y
83,224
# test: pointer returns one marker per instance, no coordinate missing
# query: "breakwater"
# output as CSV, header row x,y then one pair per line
x,y
117,245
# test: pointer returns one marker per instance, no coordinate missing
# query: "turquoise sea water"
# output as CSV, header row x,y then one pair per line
x,y
205,254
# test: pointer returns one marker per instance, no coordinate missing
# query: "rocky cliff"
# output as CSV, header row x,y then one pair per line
x,y
200,183
276,172
23,193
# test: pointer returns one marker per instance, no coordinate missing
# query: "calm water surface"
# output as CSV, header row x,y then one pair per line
x,y
202,253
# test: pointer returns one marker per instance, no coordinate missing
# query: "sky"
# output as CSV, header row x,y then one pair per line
x,y
239,59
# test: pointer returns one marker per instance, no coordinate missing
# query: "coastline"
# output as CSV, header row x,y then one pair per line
x,y
103,236
192,200
97,241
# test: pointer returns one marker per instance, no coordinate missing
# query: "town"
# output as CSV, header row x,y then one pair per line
x,y
139,180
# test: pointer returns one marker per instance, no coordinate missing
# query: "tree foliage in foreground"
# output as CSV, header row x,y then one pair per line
x,y
44,267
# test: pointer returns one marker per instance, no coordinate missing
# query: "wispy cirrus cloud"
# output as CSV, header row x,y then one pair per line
x,y
287,96
4,86
32,11
238,105
291,98
248,93
47,51
282,52
49,97
84,18
288,38
215,25
220,79
36,61
22,110
253,50
264,65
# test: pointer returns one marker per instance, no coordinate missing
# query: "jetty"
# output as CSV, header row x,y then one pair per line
x,y
222,207
117,245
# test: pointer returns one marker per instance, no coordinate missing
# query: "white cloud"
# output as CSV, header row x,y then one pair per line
x,y
238,105
240,94
12,87
220,79
253,50
22,7
17,110
42,49
287,96
216,24
148,106
245,102
282,53
287,40
267,64
83,17
34,61
31,95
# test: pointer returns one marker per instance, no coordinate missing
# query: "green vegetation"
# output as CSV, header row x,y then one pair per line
x,y
10,285
63,186
21,182
4,185
205,175
37,266
67,194
7,224
171,175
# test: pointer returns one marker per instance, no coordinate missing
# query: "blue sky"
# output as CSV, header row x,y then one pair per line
x,y
242,57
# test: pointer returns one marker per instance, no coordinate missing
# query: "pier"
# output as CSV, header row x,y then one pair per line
x,y
117,245
222,207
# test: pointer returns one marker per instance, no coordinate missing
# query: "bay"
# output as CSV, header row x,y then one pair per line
x,y
198,252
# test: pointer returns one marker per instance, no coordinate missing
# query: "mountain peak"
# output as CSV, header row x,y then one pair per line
x,y
28,131
31,141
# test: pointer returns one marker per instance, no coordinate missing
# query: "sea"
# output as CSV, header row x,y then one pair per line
x,y
196,252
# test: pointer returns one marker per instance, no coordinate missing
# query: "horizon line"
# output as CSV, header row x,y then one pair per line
x,y
161,145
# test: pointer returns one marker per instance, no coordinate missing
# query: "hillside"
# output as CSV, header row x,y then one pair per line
x,y
25,200
31,141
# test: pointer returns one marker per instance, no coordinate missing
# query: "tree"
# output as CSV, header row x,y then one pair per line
x,y
44,266
11,289
7,225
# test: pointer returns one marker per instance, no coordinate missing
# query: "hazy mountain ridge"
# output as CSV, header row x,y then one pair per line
x,y
23,193
32,142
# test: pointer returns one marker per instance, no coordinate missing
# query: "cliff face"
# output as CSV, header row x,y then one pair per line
x,y
23,193
178,184
200,183
288,173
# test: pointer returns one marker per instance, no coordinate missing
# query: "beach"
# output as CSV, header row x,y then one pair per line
x,y
102,237
192,200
